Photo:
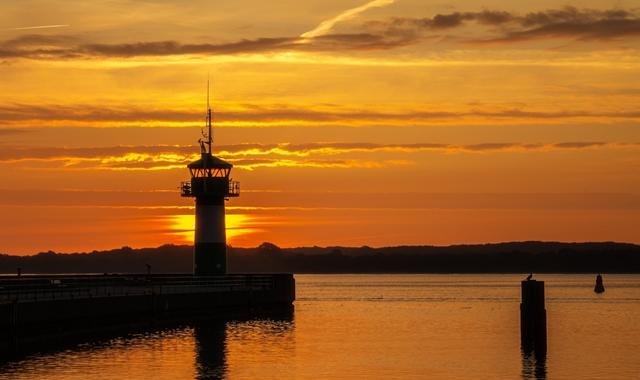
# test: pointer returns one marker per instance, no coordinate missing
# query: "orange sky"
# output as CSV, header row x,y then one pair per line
x,y
348,122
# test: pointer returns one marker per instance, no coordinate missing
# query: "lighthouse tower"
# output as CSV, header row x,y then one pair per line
x,y
211,186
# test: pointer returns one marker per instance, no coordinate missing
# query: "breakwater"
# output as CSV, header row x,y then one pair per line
x,y
39,310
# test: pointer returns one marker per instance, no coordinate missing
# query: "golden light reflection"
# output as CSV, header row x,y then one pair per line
x,y
237,225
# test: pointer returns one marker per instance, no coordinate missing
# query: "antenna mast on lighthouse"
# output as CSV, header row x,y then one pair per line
x,y
209,135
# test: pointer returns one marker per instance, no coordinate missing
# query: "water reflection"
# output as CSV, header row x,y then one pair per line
x,y
215,340
534,366
203,349
210,350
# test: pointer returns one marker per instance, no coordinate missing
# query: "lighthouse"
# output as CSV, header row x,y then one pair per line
x,y
211,186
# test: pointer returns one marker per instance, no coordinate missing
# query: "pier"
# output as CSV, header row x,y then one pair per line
x,y
36,310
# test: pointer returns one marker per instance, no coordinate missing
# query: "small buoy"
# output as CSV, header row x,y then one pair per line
x,y
599,285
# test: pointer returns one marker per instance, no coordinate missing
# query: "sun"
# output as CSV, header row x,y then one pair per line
x,y
236,225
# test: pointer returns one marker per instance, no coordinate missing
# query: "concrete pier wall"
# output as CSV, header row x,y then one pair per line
x,y
64,307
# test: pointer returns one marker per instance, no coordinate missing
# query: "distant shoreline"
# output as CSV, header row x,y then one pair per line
x,y
48,274
505,258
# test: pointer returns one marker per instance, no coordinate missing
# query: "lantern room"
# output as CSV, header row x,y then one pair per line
x,y
209,166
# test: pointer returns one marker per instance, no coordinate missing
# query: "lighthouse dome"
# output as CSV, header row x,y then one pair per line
x,y
208,161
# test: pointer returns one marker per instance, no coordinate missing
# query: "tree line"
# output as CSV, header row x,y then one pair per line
x,y
517,257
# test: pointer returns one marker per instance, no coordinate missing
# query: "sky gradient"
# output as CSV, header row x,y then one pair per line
x,y
348,122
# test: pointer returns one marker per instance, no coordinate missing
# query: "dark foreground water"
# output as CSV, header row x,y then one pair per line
x,y
382,327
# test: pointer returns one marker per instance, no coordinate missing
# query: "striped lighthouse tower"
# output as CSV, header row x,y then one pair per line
x,y
211,186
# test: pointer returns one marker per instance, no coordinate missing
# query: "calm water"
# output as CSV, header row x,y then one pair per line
x,y
381,327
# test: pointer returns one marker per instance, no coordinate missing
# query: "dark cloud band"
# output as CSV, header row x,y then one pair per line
x,y
503,27
18,114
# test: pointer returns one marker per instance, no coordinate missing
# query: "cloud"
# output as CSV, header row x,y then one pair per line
x,y
326,26
579,145
167,157
64,47
568,22
253,164
275,114
255,156
60,48
175,48
174,153
40,27
330,42
314,149
499,27
87,113
445,21
38,40
38,46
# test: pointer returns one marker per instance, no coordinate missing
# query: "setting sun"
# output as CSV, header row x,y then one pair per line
x,y
237,225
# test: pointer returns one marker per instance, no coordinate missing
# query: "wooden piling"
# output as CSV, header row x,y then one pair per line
x,y
533,317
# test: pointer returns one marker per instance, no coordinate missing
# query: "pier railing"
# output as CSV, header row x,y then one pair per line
x,y
43,288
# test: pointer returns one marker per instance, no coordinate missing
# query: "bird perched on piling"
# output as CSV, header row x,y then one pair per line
x,y
599,288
